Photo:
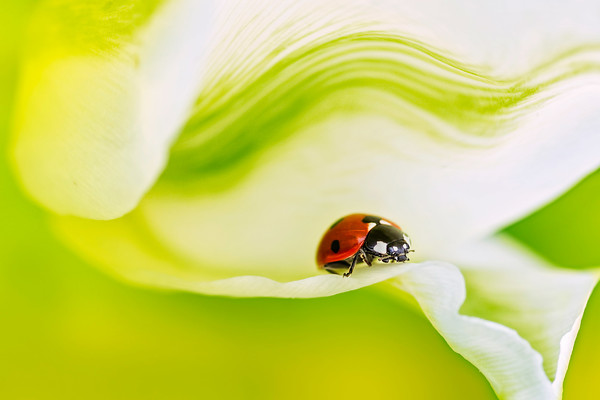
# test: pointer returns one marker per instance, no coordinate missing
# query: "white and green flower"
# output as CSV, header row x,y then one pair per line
x,y
205,146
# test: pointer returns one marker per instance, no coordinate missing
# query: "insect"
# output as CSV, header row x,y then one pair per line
x,y
359,238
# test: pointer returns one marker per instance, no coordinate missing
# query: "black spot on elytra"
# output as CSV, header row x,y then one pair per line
x,y
371,218
336,222
335,246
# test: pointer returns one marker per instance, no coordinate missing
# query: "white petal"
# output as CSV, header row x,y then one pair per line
x,y
508,36
366,147
98,108
510,285
517,326
101,169
441,195
511,365
112,246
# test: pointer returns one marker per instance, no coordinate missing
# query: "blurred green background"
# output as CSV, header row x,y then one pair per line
x,y
69,332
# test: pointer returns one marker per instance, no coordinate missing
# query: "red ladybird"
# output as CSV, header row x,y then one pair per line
x,y
359,238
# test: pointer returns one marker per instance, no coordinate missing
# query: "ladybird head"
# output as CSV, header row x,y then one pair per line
x,y
398,250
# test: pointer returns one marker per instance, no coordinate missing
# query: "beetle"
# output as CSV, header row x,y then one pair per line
x,y
359,238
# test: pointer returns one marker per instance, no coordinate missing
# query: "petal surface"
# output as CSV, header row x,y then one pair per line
x,y
442,195
510,285
511,365
104,88
93,147
146,262
365,117
516,319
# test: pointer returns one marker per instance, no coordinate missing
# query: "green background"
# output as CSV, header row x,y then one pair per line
x,y
69,332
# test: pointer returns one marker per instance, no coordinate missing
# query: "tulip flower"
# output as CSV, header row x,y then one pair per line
x,y
206,146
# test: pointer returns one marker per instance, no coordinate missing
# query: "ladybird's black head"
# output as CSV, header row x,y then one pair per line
x,y
398,250
388,243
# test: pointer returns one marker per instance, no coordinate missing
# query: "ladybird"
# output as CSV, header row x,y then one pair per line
x,y
360,238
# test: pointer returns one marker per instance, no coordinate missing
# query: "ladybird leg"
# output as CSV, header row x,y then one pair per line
x,y
366,258
351,269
